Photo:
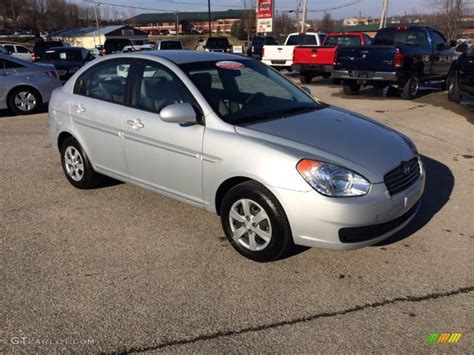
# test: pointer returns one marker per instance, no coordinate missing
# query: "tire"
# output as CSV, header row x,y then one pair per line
x,y
76,165
454,94
326,75
305,78
350,87
411,88
274,227
24,101
336,81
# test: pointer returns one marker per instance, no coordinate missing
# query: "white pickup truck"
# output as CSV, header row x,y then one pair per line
x,y
281,56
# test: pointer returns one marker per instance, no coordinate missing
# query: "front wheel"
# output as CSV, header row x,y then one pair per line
x,y
411,88
453,87
76,165
350,87
254,222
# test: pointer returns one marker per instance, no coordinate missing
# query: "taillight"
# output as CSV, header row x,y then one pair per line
x,y
102,52
398,59
335,56
33,56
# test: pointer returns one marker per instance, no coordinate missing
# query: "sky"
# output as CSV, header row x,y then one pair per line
x,y
366,7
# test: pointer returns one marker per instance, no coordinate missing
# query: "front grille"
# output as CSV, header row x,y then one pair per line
x,y
362,234
403,176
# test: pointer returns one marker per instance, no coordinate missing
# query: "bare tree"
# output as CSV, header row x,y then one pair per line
x,y
449,13
327,23
250,19
283,24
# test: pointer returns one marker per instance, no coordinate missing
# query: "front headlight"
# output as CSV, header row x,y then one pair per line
x,y
332,180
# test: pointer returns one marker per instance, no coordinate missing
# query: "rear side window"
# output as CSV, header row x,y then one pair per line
x,y
106,81
296,40
334,41
21,49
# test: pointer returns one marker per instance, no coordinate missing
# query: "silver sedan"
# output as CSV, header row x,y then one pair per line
x,y
24,86
234,137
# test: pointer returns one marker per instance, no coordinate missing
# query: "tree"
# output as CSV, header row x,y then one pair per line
x,y
283,24
238,31
327,23
449,13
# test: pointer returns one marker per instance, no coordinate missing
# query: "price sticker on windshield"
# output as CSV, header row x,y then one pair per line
x,y
229,64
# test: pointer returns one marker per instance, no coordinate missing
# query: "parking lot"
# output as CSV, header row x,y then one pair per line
x,y
122,269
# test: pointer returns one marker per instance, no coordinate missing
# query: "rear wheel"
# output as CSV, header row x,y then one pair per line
x,y
23,101
350,87
411,89
76,165
453,87
305,78
326,75
255,223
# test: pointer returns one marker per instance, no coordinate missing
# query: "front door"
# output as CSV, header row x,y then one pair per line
x,y
163,156
97,110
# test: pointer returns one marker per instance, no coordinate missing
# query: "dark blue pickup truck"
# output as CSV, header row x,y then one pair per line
x,y
405,56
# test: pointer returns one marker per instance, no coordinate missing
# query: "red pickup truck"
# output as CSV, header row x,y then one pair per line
x,y
311,61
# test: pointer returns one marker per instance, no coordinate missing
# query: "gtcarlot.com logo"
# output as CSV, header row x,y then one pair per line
x,y
442,338
50,341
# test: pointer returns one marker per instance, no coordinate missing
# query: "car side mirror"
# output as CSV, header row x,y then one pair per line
x,y
462,48
307,90
452,43
182,113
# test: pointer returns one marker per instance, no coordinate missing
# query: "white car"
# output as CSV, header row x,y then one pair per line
x,y
18,51
281,56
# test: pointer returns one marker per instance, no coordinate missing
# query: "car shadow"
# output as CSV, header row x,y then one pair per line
x,y
7,113
439,186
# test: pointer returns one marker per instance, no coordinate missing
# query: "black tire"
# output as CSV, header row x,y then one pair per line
x,y
454,94
350,87
306,78
30,100
336,81
411,88
326,75
281,240
89,178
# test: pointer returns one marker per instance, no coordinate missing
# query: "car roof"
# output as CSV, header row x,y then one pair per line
x,y
187,56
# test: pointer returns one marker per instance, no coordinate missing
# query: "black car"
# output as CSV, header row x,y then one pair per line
x,y
42,46
116,45
217,44
66,60
461,76
256,47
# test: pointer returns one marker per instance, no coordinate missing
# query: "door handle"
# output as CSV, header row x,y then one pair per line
x,y
79,108
136,123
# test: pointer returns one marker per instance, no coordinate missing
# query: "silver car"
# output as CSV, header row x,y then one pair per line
x,y
24,86
234,137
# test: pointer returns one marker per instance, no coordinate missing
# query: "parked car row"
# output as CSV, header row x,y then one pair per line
x,y
407,57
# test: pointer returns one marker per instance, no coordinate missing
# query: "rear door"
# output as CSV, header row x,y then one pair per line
x,y
97,108
442,55
466,72
161,155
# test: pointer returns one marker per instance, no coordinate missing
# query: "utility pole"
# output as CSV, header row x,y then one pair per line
x,y
383,17
97,22
298,9
305,15
177,24
209,16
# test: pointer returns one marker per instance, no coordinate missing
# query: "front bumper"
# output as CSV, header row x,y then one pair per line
x,y
365,75
319,221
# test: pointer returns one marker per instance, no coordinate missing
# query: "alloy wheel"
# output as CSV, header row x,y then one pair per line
x,y
74,163
25,101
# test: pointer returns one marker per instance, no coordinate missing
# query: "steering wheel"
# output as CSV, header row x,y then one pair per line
x,y
253,100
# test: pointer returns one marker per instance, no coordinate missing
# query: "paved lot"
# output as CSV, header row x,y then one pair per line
x,y
125,270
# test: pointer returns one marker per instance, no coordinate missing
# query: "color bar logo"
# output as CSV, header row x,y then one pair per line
x,y
442,338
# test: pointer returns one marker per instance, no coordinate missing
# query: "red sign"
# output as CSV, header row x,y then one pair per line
x,y
265,8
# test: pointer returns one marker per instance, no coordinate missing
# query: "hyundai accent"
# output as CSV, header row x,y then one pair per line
x,y
232,136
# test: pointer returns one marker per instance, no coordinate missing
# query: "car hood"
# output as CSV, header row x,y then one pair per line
x,y
339,136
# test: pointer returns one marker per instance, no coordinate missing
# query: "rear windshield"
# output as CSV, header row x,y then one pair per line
x,y
171,45
221,43
414,37
295,40
65,55
343,41
117,45
45,45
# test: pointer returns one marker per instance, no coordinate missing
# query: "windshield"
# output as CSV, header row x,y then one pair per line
x,y
246,91
295,40
333,41
411,37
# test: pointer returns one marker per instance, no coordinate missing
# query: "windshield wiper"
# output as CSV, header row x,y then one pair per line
x,y
264,116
